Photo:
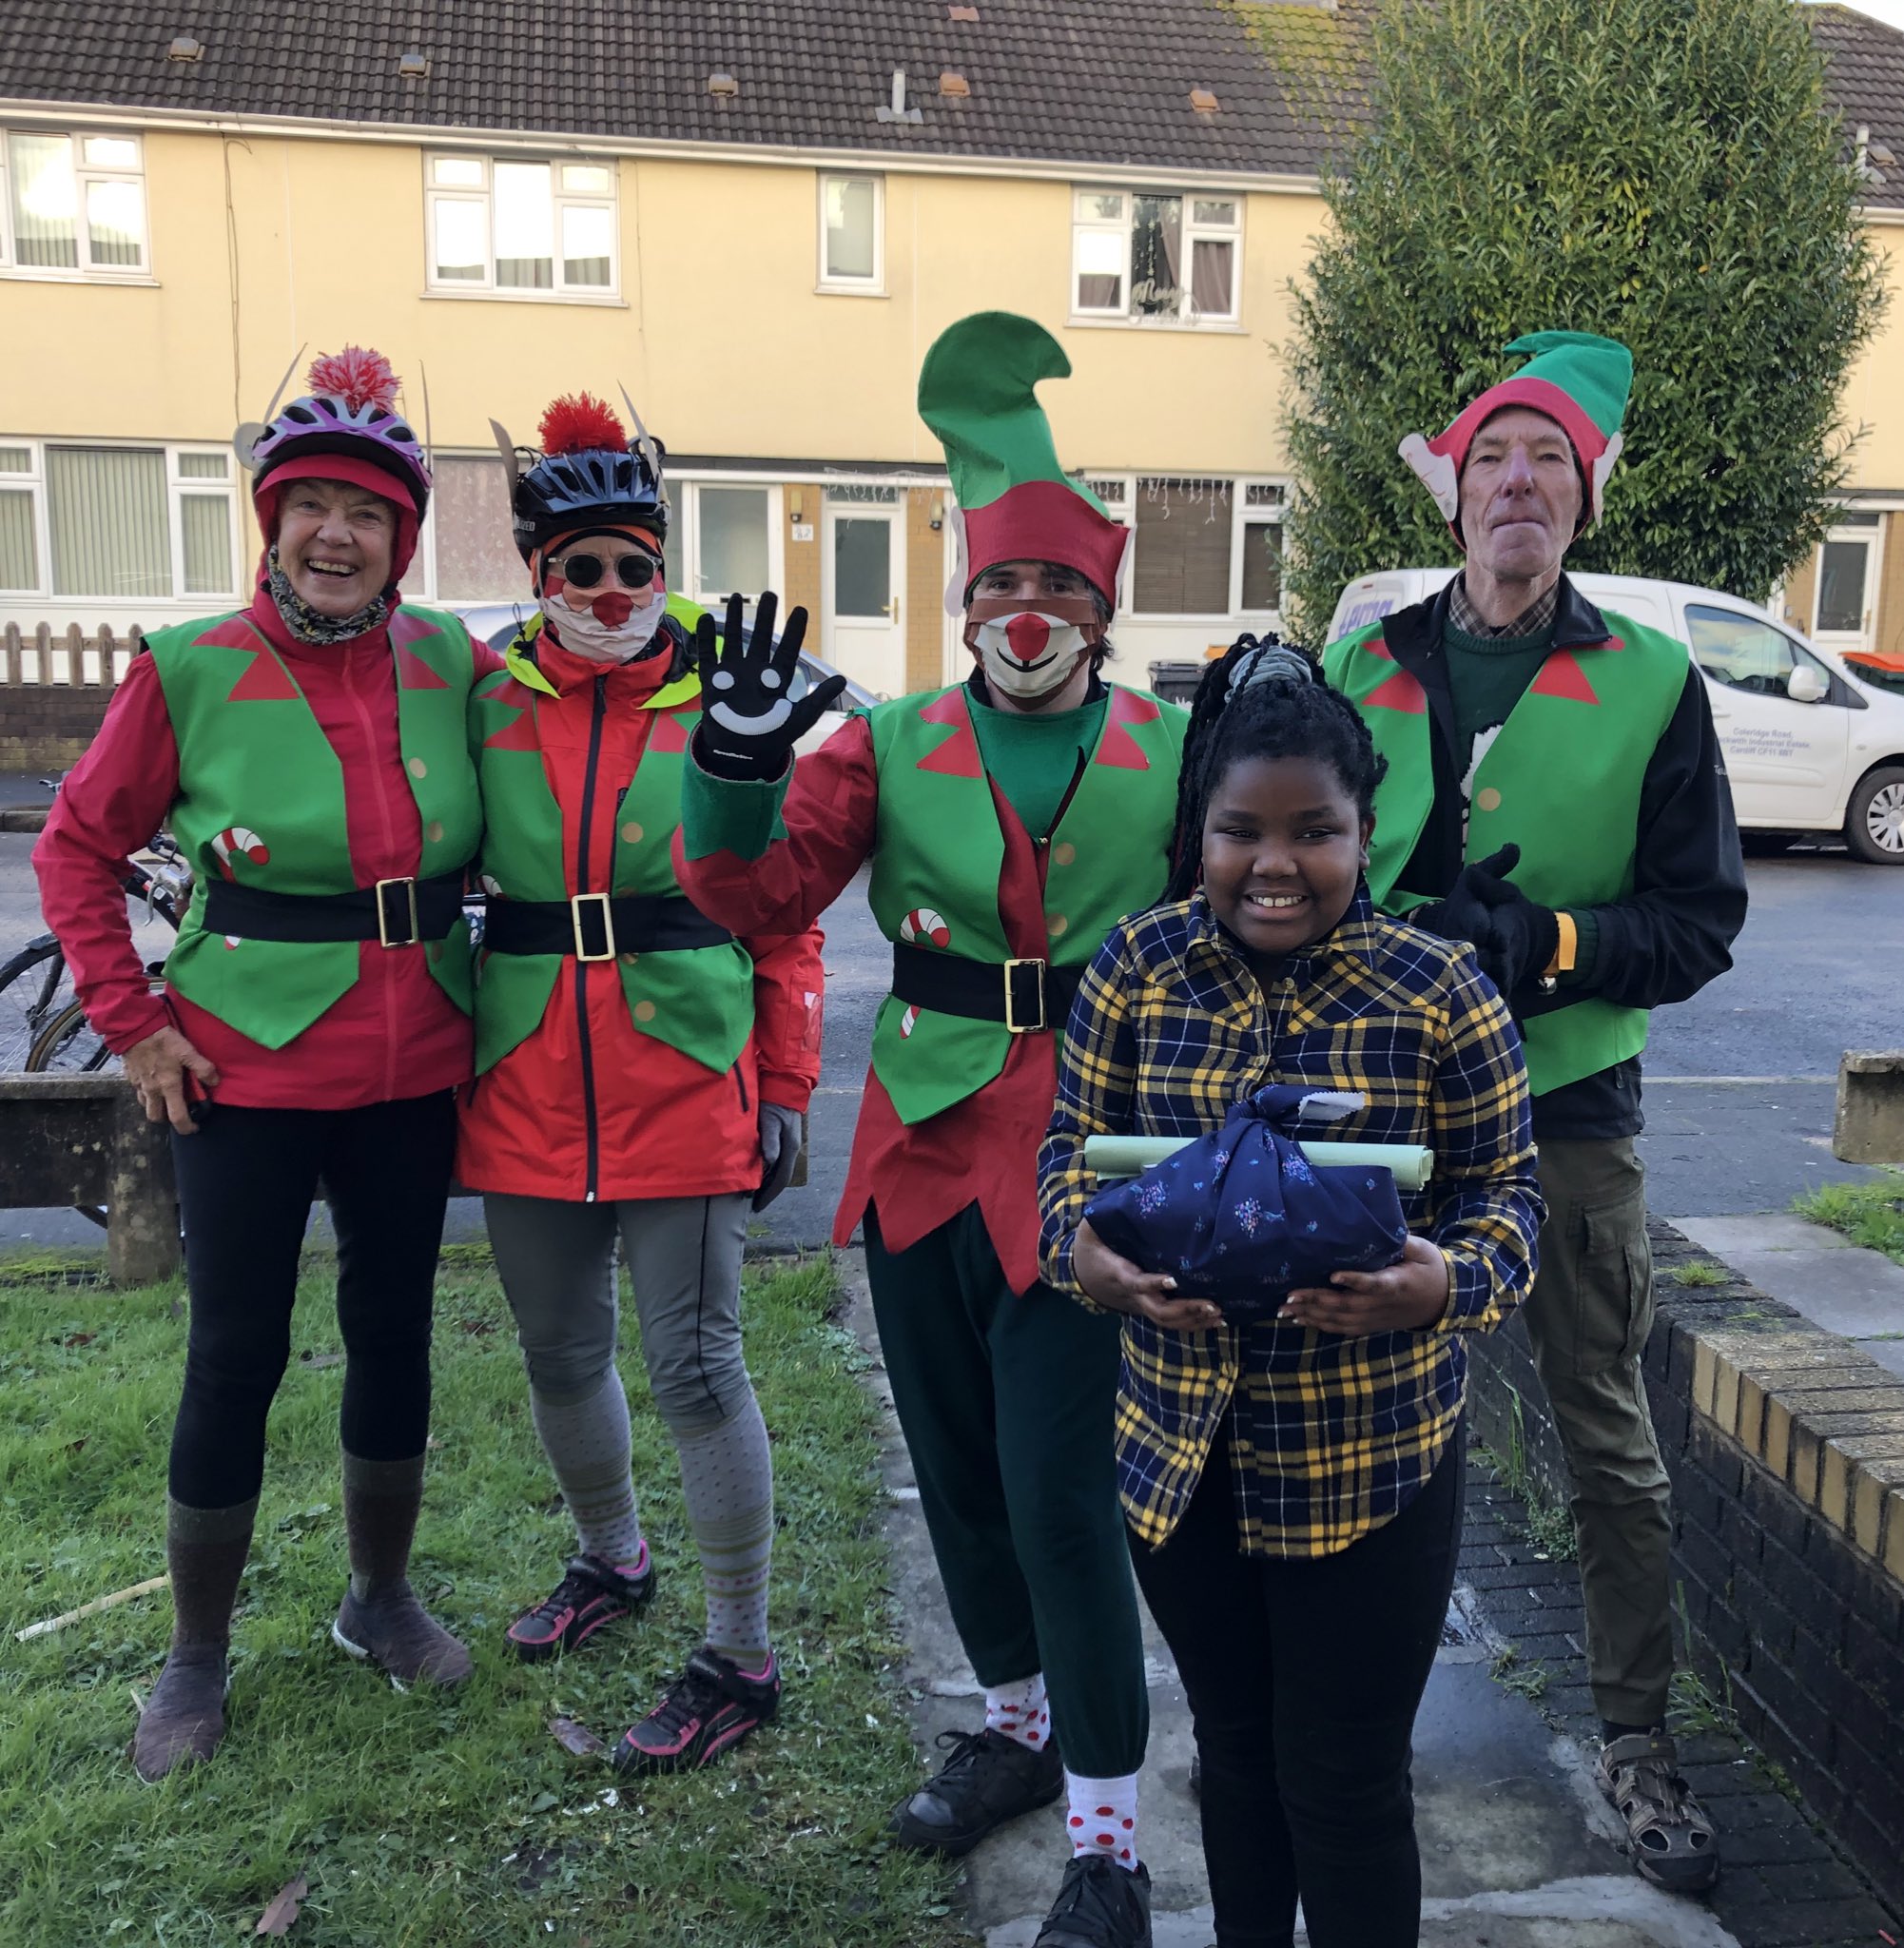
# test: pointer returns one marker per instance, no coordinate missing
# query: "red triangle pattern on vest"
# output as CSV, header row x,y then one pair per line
x,y
668,738
1400,691
958,757
266,680
234,633
519,733
1117,747
412,672
1561,676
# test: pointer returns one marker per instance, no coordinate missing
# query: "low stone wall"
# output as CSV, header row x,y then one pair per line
x,y
47,727
1785,1445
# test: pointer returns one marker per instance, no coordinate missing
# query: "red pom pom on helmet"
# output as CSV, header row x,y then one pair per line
x,y
578,422
357,377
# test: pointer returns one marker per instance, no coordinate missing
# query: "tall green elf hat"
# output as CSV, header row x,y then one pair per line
x,y
1576,378
977,393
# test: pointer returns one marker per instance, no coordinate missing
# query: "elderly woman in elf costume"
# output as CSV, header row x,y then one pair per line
x,y
309,752
642,1075
1010,822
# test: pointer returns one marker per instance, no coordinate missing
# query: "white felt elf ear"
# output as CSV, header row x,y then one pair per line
x,y
1601,468
1436,471
955,589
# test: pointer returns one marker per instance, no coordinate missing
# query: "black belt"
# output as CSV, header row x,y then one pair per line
x,y
1025,995
598,926
398,912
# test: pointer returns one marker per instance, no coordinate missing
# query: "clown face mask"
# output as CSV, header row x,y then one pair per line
x,y
604,596
1029,646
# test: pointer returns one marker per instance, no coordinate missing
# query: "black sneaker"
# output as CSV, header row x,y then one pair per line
x,y
1100,1905
988,1780
591,1593
711,1705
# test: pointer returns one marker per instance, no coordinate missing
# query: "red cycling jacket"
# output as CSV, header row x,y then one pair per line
x,y
664,1125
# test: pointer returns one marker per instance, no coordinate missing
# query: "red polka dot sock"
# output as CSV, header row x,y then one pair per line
x,y
1102,1817
1021,1712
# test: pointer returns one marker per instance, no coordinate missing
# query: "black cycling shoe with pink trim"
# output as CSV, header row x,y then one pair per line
x,y
710,1706
590,1594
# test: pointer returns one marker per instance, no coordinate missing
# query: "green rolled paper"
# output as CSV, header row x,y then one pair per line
x,y
1113,1157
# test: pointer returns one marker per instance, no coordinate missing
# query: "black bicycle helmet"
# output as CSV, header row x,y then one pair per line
x,y
585,476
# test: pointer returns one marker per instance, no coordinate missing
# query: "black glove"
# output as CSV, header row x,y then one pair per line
x,y
783,1132
1514,939
749,725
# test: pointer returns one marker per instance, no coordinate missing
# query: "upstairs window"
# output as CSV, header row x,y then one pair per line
x,y
852,234
1155,256
73,206
529,229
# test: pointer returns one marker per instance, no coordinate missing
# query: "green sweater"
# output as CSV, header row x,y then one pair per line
x,y
1032,755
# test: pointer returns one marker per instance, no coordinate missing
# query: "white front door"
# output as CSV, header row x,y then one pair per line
x,y
1847,591
1786,758
865,571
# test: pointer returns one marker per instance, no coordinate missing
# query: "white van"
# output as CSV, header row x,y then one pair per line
x,y
1812,742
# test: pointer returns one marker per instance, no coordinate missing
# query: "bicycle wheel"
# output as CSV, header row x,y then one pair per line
x,y
67,1045
34,986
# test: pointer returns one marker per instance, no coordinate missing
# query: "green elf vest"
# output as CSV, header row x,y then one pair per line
x,y
262,802
941,850
1562,780
698,999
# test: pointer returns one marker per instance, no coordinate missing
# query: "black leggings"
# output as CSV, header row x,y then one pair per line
x,y
246,1179
1304,1675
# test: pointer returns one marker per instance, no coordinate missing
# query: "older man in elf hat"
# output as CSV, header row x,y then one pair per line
x,y
1010,820
1556,795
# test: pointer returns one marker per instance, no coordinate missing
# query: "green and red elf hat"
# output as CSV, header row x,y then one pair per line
x,y
1578,378
977,393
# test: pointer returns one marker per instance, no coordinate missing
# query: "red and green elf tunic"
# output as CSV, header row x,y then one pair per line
x,y
954,1110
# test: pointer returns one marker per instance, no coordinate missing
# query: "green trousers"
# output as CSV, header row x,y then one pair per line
x,y
1589,1317
1006,1402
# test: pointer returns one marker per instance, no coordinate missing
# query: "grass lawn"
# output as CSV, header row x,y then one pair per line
x,y
1869,1213
447,1820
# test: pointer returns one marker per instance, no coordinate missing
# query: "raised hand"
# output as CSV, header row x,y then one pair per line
x,y
747,718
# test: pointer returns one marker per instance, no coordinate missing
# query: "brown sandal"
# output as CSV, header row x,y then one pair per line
x,y
1672,1841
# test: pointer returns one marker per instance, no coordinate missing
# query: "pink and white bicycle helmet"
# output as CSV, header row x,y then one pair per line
x,y
348,412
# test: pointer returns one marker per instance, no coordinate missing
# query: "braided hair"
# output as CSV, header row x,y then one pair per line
x,y
1263,700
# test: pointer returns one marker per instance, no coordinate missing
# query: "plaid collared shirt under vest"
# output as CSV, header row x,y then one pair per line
x,y
1329,1436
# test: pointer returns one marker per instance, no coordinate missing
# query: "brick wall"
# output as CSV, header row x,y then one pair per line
x,y
924,591
803,557
1786,1451
47,727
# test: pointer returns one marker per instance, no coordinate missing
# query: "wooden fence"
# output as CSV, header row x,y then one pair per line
x,y
44,655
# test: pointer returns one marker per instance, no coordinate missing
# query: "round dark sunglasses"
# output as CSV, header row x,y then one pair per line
x,y
585,570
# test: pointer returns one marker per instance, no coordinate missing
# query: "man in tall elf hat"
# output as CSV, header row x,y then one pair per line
x,y
309,752
642,1075
1010,820
1556,795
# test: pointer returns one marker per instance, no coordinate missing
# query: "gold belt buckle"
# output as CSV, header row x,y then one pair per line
x,y
384,916
1013,1026
577,902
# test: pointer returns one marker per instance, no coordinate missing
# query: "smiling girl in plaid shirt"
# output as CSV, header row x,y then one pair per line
x,y
1293,1486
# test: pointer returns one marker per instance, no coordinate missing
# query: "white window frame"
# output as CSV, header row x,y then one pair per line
x,y
85,270
177,486
685,547
484,198
829,282
1187,318
1243,516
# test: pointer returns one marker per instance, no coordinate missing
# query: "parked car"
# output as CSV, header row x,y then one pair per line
x,y
496,624
1813,741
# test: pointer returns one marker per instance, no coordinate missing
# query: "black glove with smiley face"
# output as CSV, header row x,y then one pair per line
x,y
748,722
1514,937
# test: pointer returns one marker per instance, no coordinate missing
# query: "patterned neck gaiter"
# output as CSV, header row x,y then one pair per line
x,y
305,623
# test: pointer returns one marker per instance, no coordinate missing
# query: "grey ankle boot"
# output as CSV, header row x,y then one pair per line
x,y
184,1718
380,1619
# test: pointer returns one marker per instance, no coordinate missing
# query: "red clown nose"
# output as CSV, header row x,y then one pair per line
x,y
1028,634
613,609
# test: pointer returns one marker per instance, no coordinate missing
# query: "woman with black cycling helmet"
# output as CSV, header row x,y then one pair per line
x,y
309,752
642,1075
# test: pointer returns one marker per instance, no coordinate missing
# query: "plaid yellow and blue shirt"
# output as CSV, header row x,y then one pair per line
x,y
1329,1436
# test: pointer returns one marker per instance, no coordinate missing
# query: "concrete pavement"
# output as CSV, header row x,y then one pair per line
x,y
1518,1848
